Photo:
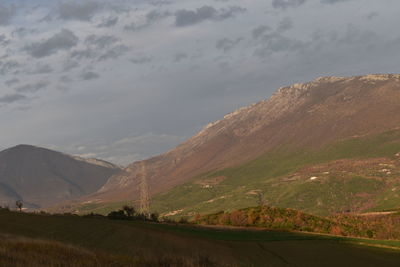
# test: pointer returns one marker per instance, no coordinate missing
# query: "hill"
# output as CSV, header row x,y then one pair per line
x,y
41,177
355,175
341,132
167,245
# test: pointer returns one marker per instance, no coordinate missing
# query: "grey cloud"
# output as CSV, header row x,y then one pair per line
x,y
11,82
48,18
100,53
259,31
186,17
108,22
22,32
114,52
42,69
8,66
155,15
102,41
70,64
283,4
78,11
11,98
4,41
226,44
285,25
83,53
276,42
151,17
229,12
32,87
89,75
333,1
160,2
355,36
180,56
141,59
6,14
371,15
63,40
131,27
65,79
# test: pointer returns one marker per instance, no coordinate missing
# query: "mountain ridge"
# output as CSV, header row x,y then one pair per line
x,y
310,115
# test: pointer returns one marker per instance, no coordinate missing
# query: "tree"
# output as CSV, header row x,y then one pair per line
x,y
130,211
19,205
154,217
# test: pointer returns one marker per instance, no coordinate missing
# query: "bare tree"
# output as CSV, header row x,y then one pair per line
x,y
19,205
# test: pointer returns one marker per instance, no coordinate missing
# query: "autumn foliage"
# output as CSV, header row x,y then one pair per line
x,y
371,226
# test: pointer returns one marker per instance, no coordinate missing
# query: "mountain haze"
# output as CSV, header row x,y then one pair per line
x,y
41,177
302,116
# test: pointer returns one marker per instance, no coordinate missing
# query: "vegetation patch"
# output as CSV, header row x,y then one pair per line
x,y
353,175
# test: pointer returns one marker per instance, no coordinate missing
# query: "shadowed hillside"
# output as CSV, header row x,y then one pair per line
x,y
41,177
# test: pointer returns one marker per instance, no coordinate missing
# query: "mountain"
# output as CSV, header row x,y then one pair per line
x,y
308,147
41,177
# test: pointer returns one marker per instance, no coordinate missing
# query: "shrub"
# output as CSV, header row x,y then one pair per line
x,y
117,215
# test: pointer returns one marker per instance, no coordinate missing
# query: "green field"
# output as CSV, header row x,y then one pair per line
x,y
148,244
283,177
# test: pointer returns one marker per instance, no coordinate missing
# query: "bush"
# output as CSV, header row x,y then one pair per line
x,y
117,215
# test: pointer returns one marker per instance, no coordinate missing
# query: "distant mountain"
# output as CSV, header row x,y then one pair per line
x,y
317,130
41,177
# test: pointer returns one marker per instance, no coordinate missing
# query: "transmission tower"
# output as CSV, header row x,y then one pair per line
x,y
144,190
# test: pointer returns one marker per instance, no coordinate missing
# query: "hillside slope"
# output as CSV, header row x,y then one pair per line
x,y
41,177
302,115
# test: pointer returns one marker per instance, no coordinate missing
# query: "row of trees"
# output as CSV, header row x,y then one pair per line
x,y
18,205
125,213
130,213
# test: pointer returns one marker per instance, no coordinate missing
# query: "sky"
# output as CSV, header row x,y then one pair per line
x,y
125,80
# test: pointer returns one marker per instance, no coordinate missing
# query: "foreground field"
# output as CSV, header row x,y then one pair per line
x,y
21,251
129,243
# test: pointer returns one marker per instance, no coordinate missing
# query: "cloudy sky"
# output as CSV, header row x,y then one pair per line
x,y
123,80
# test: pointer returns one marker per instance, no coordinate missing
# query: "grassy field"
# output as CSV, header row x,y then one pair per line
x,y
358,174
20,251
146,244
